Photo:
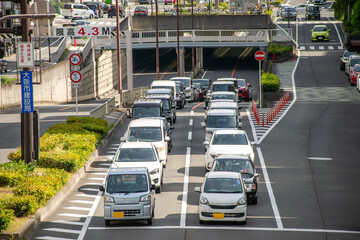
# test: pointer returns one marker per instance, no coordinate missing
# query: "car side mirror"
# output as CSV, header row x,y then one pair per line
x,y
249,85
167,138
122,139
253,143
203,124
101,188
256,175
197,189
110,159
206,143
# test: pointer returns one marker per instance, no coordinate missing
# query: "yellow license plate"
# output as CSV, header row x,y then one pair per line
x,y
218,215
118,214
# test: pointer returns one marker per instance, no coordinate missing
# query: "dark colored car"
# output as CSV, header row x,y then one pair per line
x,y
105,7
205,83
243,164
97,9
3,65
112,10
141,11
167,109
312,12
146,108
144,1
200,92
244,90
344,58
289,13
180,96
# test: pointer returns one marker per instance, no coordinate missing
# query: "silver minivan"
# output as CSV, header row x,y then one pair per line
x,y
71,10
128,195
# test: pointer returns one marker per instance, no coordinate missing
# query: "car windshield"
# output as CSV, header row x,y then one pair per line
x,y
234,165
223,87
127,183
348,54
145,111
204,83
312,8
185,82
241,83
166,104
136,155
223,96
223,185
320,29
357,68
145,134
354,61
178,90
92,7
221,122
230,139
290,10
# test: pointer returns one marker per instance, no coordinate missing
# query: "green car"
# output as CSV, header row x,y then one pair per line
x,y
320,33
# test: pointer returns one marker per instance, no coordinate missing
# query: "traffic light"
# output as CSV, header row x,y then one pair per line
x,y
2,49
17,30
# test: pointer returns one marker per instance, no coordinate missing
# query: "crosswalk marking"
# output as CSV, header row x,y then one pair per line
x,y
302,47
81,201
331,47
321,47
78,208
68,222
62,230
72,215
312,47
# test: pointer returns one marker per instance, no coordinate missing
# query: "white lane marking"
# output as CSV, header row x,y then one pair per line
x,y
62,230
312,47
321,47
101,23
204,73
54,238
78,208
190,122
68,222
100,173
72,215
340,47
252,125
302,47
113,148
269,189
232,228
110,152
189,136
331,47
108,23
320,158
85,195
92,23
81,201
192,113
185,188
92,183
337,31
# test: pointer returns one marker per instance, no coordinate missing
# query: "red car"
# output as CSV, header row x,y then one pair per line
x,y
141,11
200,92
170,1
354,74
244,90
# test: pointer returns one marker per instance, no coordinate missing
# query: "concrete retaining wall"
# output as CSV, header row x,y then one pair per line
x,y
147,23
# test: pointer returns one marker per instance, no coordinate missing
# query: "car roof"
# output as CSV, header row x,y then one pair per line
x,y
141,122
223,174
321,25
136,145
128,170
163,83
223,92
229,131
226,79
234,156
179,78
147,101
224,104
221,112
159,90
222,82
158,96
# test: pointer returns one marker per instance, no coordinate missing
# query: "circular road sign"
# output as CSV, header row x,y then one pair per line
x,y
75,59
259,55
75,76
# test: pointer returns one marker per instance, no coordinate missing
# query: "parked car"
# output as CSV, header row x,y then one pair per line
x,y
354,74
149,130
344,58
320,33
140,154
144,1
244,90
189,88
289,13
199,92
244,165
128,195
227,142
312,12
112,10
218,119
71,9
222,198
180,95
97,8
353,59
3,65
141,11
168,109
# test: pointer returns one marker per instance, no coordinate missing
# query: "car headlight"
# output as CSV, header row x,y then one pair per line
x,y
242,201
203,200
145,198
155,171
326,34
109,199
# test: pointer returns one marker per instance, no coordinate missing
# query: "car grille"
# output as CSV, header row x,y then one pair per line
x,y
226,215
129,212
222,207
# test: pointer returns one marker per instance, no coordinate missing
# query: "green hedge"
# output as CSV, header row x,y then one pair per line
x,y
270,82
21,205
278,49
6,218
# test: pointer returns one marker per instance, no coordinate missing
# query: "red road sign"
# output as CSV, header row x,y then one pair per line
x,y
75,59
75,76
259,55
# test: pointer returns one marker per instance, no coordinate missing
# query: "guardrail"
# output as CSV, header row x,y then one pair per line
x,y
55,56
107,107
196,70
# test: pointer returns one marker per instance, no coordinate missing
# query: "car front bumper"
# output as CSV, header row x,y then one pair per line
x,y
127,212
207,213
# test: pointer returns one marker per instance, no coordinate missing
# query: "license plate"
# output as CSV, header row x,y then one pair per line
x,y
118,214
312,17
320,38
218,215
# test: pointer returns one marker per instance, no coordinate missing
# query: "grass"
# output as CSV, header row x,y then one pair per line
x,y
7,80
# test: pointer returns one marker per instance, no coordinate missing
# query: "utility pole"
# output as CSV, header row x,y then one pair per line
x,y
177,37
118,47
192,28
157,40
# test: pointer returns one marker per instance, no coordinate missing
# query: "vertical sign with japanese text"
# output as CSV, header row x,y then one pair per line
x,y
25,54
27,92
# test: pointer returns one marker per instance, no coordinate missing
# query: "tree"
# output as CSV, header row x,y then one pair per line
x,y
355,18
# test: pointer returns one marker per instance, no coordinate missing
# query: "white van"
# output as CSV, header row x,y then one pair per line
x,y
167,85
71,10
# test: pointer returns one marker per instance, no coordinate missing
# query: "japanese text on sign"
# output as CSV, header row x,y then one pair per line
x,y
84,31
25,55
27,92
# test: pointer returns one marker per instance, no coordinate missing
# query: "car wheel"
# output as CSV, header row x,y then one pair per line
x,y
201,221
91,16
149,221
107,222
243,222
254,200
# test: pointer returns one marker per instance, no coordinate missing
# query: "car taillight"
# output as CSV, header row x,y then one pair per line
x,y
72,9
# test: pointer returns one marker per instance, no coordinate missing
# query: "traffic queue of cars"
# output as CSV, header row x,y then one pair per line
x,y
231,179
350,64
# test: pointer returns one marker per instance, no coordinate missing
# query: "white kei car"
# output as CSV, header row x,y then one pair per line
x,y
228,142
222,198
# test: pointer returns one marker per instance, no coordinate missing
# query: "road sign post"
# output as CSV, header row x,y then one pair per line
x,y
75,75
260,56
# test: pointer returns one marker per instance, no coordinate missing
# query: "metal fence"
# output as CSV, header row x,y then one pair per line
x,y
105,108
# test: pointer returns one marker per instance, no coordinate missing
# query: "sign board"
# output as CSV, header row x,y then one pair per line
x,y
27,92
75,59
25,54
259,55
75,76
75,85
83,31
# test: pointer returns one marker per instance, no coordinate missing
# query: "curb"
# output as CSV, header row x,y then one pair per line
x,y
50,206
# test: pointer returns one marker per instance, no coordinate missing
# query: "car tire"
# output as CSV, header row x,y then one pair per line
x,y
158,189
107,222
149,221
201,221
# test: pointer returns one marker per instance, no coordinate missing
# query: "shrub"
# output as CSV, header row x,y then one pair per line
x,y
68,161
6,218
7,80
21,205
279,49
270,82
13,172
